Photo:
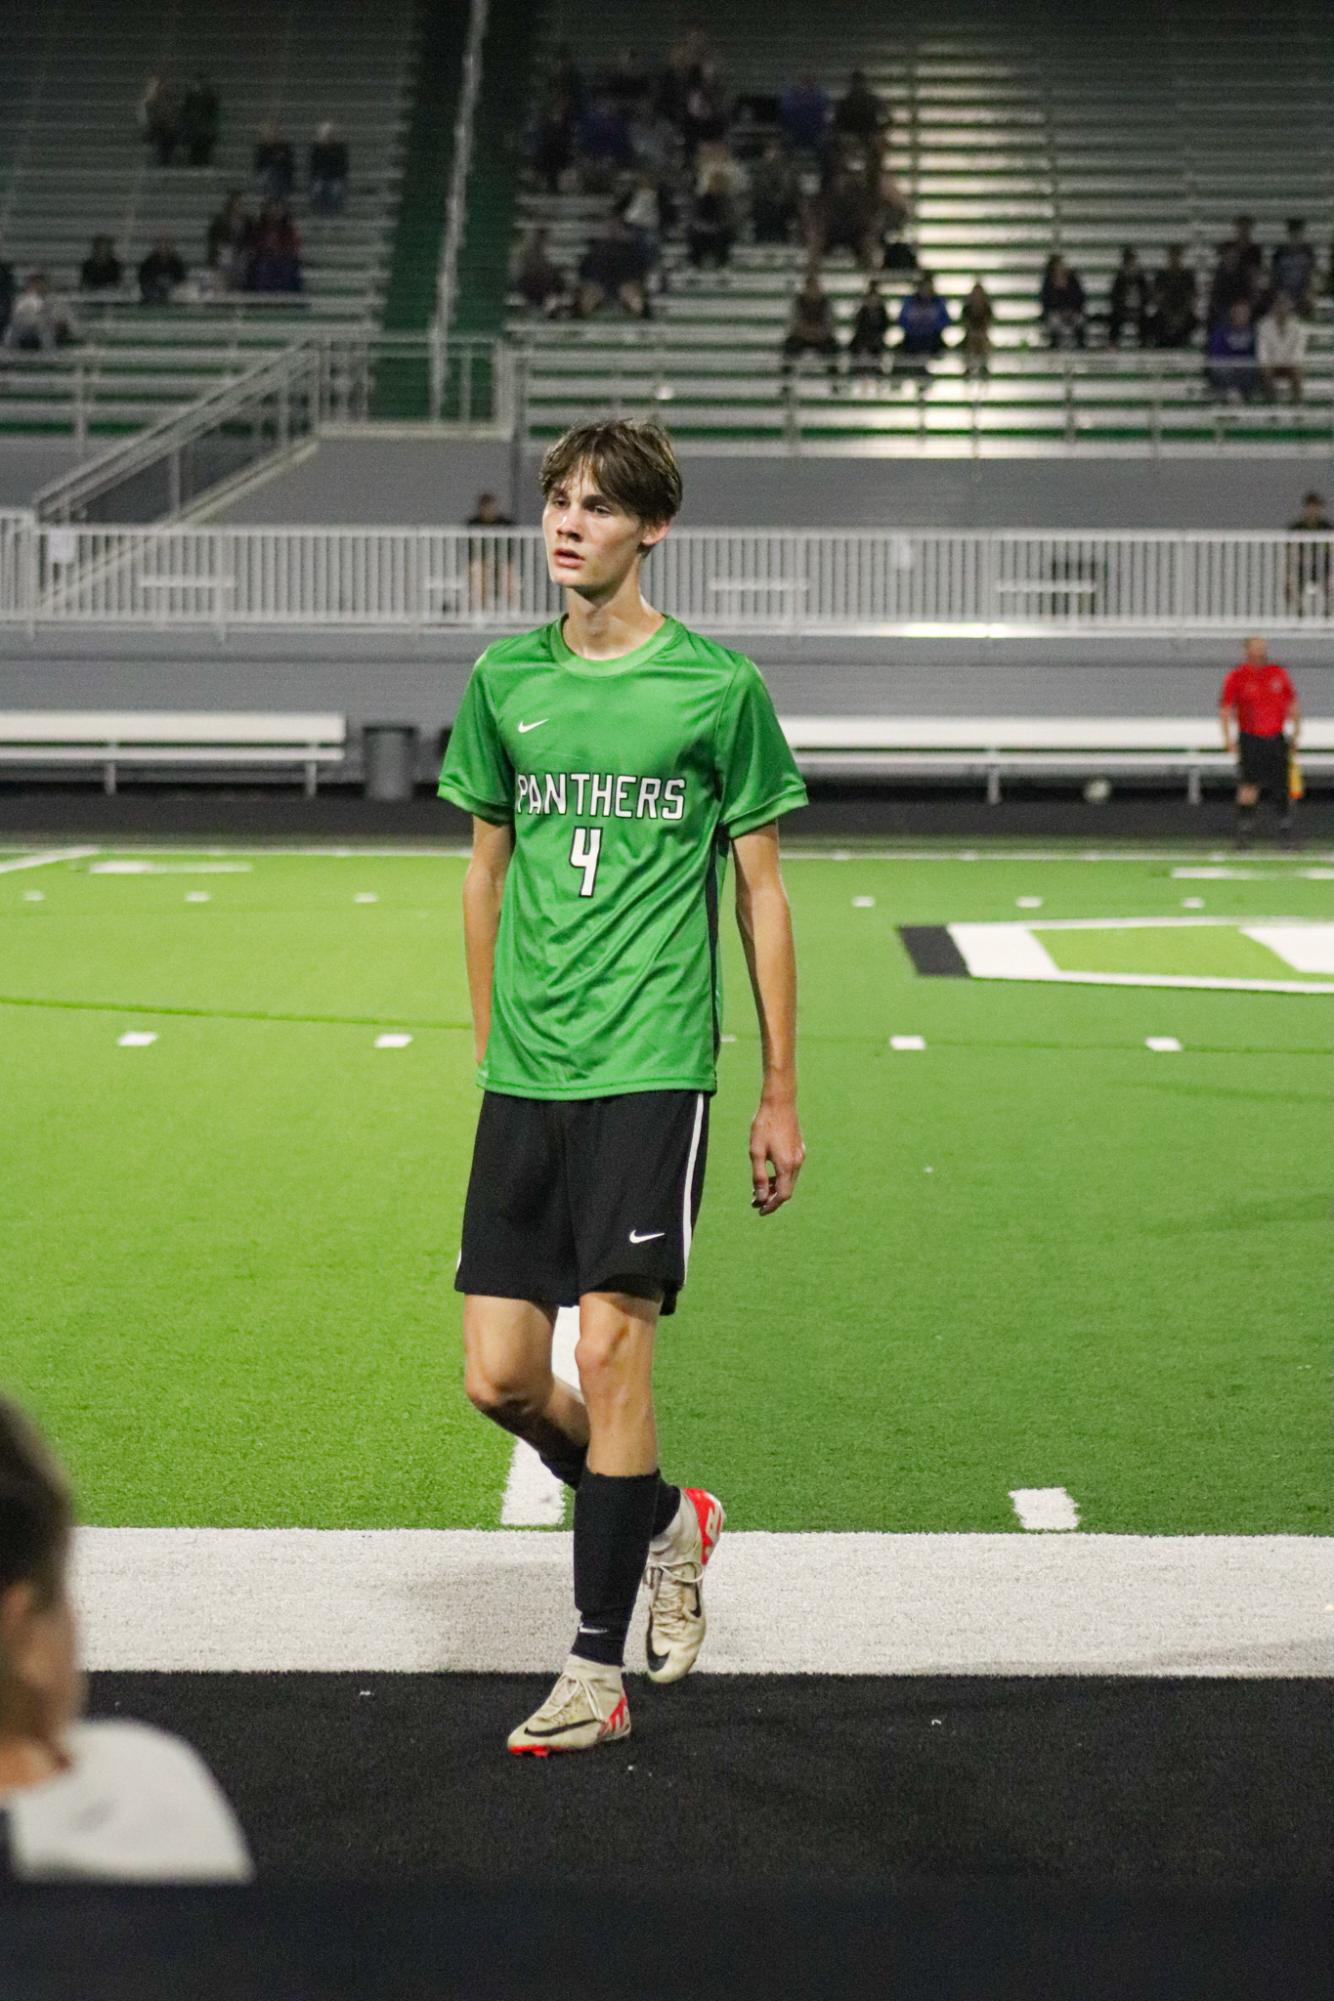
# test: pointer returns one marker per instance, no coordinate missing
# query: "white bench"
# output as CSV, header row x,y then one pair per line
x,y
1028,746
125,738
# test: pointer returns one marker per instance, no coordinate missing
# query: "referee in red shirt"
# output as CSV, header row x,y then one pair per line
x,y
1257,703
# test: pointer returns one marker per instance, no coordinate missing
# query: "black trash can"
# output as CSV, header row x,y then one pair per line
x,y
390,761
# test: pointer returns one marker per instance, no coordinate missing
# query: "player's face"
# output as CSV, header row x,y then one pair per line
x,y
1255,650
592,544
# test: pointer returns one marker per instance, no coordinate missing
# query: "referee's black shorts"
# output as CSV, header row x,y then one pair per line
x,y
1263,761
578,1195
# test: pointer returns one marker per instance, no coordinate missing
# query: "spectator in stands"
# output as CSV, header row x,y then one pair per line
x,y
1310,563
112,1800
1280,348
870,332
810,328
491,574
275,252
614,267
976,316
160,272
774,197
1249,256
275,164
230,241
803,115
1235,282
604,145
541,285
1128,305
687,63
328,170
38,320
896,253
628,81
1062,305
198,129
101,269
553,140
1293,267
714,158
1230,369
1172,315
712,229
707,111
159,119
860,114
923,317
847,214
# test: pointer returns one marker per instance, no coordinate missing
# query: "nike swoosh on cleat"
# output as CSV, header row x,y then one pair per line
x,y
645,1236
656,1661
561,1728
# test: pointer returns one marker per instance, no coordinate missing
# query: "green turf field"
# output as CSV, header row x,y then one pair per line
x,y
1035,1253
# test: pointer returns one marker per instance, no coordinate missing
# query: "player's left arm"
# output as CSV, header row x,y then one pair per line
x,y
765,923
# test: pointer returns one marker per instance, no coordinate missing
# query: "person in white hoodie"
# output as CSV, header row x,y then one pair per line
x,y
96,1801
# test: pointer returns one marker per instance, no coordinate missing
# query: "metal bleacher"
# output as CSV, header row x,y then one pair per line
x,y
1015,132
73,164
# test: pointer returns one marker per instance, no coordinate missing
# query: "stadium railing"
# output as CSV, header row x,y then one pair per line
x,y
856,583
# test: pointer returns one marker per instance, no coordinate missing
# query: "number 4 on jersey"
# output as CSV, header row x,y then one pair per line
x,y
584,851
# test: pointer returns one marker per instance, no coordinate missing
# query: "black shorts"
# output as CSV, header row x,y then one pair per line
x,y
1263,761
578,1195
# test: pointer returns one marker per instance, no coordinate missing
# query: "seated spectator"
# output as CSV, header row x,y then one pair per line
x,y
159,119
860,114
604,145
491,574
628,81
112,1801
328,170
896,254
923,316
976,317
1062,305
101,269
160,273
275,252
803,115
541,284
847,213
715,157
551,148
811,327
1172,315
707,111
1293,267
198,127
646,212
38,321
712,229
229,242
870,331
275,164
614,267
1310,565
774,197
1234,281
1280,348
1248,255
1128,305
687,63
1230,369
656,145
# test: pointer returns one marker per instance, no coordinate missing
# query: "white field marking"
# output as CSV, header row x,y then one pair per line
x,y
136,1038
907,1042
1048,1508
863,903
1165,1045
1275,874
392,1041
805,852
136,867
1028,903
535,1498
422,1600
1308,948
1003,952
1192,903
34,896
365,896
1013,952
46,859
197,896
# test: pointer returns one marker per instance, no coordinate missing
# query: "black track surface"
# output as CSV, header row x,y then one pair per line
x,y
757,1781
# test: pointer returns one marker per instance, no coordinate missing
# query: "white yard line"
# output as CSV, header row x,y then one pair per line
x,y
535,1498
1049,1509
800,851
46,859
423,1600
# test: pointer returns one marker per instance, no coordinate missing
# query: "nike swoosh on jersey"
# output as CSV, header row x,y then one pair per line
x,y
645,1236
525,727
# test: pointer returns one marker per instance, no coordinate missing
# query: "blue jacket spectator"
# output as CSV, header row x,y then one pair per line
x,y
923,317
604,135
1230,367
803,115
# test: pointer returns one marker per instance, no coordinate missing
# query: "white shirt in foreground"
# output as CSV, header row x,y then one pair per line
x,y
1281,347
134,1806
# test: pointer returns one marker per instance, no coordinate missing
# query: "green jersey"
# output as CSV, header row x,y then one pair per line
x,y
624,781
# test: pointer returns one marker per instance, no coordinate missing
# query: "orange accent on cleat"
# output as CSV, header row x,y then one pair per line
x,y
709,1515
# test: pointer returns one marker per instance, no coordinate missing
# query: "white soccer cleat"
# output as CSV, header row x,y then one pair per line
x,y
587,1707
676,1560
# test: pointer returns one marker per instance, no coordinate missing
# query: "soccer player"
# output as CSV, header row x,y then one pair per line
x,y
1257,702
610,760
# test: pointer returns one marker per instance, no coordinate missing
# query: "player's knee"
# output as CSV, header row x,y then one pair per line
x,y
506,1399
603,1357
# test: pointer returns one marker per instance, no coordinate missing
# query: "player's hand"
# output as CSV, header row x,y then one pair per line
x,y
776,1153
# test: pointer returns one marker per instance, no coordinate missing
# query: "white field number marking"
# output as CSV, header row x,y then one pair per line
x,y
584,851
1047,1508
136,1038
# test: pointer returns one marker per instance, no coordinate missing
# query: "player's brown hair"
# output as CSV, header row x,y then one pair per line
x,y
36,1508
632,461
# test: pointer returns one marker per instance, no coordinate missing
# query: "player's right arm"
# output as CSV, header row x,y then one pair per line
x,y
483,889
1227,716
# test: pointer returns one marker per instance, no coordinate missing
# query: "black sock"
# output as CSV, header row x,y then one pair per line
x,y
567,1464
613,1519
1245,822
